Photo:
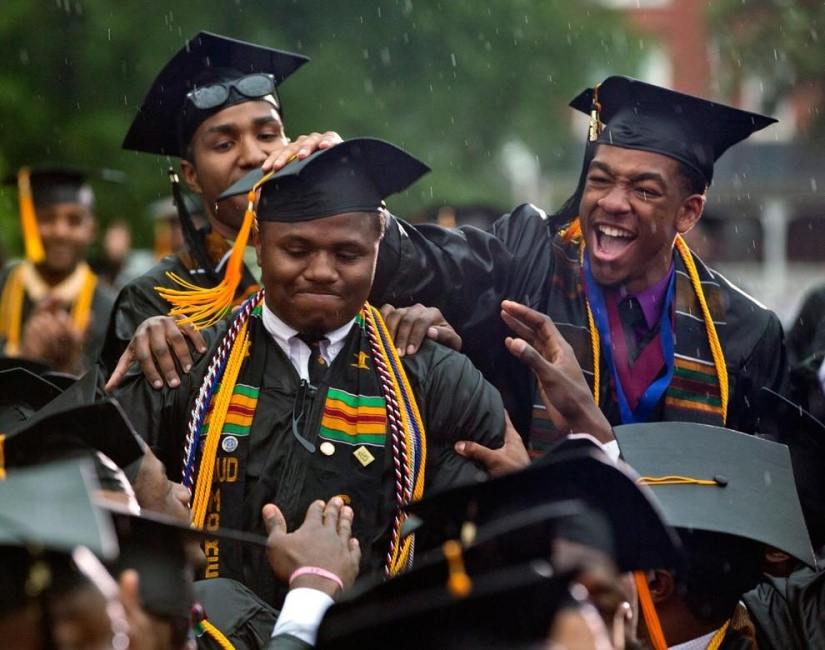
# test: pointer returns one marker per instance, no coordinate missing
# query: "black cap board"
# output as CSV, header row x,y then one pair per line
x,y
166,120
154,545
508,608
102,426
694,131
53,183
575,470
354,176
747,485
50,506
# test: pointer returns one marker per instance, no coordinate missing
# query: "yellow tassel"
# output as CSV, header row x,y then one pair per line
x,y
216,634
2,456
28,218
205,307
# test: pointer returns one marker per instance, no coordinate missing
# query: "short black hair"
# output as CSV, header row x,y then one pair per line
x,y
692,181
720,569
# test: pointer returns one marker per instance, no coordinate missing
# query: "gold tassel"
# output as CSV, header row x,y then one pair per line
x,y
205,307
28,218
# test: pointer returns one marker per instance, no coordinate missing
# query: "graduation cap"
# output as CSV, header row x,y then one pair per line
x,y
632,114
50,506
719,480
354,176
208,74
48,184
575,470
155,546
512,607
47,509
102,426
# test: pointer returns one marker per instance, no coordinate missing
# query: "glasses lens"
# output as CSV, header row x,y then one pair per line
x,y
256,85
209,96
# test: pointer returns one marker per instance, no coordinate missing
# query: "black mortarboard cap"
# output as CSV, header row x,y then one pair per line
x,y
88,428
19,385
50,507
164,124
354,176
694,131
154,545
508,608
575,470
53,182
750,489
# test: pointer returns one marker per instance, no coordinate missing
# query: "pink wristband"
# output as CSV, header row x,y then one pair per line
x,y
316,571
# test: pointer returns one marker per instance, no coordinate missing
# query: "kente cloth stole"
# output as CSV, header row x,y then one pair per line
x,y
693,393
354,414
13,298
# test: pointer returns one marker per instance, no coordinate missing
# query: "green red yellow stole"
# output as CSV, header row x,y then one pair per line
x,y
698,390
227,398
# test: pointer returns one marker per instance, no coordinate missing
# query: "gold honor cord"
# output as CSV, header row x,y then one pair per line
x,y
11,305
2,456
677,480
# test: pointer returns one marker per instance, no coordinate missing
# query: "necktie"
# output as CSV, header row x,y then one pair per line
x,y
634,325
317,365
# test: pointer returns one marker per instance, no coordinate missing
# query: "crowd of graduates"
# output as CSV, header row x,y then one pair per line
x,y
312,423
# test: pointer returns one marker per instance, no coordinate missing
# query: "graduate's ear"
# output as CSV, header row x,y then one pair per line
x,y
190,175
661,584
689,212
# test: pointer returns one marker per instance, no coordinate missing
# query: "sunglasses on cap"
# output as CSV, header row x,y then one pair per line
x,y
253,86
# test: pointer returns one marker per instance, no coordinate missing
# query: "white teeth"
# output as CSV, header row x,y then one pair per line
x,y
614,232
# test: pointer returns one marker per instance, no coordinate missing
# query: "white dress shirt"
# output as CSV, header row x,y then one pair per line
x,y
295,349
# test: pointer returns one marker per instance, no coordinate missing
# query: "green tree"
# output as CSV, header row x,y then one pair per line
x,y
451,82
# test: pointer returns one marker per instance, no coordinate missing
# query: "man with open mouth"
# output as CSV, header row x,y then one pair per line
x,y
658,335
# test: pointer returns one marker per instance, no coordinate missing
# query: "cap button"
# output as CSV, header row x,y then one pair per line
x,y
722,481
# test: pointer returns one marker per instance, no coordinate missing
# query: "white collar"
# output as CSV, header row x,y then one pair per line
x,y
699,643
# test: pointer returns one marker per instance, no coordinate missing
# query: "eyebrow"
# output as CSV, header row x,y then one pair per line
x,y
643,176
231,126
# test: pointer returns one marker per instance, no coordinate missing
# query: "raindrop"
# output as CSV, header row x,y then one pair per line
x,y
813,184
452,58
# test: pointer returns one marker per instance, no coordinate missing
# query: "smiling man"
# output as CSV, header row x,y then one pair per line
x,y
303,395
659,335
52,307
215,105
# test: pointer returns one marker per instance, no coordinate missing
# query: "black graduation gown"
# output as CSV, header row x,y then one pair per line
x,y
789,613
455,404
103,302
467,272
138,299
236,612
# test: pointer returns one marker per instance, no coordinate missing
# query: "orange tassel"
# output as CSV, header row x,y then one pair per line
x,y
28,218
205,307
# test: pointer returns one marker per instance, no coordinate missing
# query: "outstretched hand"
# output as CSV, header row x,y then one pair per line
x,y
563,388
324,541
409,326
159,344
511,456
300,148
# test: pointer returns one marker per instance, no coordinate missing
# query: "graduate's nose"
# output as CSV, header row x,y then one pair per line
x,y
615,201
252,154
321,269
